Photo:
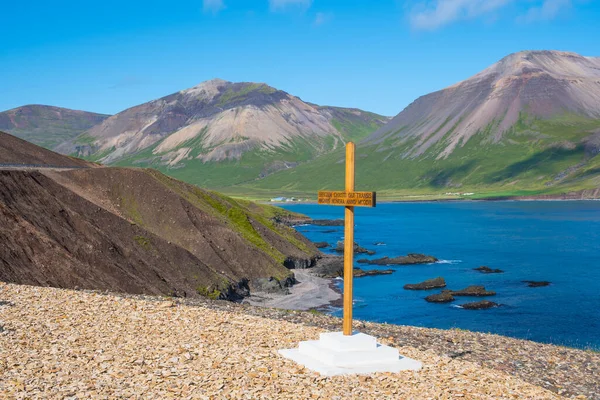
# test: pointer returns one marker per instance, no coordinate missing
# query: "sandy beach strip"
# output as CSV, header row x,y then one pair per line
x,y
73,344
310,292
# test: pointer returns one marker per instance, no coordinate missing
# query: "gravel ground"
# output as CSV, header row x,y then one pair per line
x,y
78,344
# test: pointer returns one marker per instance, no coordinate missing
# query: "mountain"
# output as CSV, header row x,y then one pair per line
x,y
220,133
529,123
135,230
47,126
521,86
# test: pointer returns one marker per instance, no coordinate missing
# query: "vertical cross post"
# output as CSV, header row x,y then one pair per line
x,y
348,243
342,353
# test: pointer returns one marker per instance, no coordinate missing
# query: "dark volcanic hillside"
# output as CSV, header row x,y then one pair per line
x,y
527,125
137,231
47,126
14,151
220,133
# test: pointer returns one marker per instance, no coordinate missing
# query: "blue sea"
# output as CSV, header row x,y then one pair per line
x,y
538,240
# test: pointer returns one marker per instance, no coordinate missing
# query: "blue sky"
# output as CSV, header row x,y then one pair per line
x,y
376,55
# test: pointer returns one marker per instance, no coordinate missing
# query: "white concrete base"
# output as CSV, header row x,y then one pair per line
x,y
336,354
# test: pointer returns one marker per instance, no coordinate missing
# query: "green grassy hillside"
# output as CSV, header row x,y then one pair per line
x,y
535,157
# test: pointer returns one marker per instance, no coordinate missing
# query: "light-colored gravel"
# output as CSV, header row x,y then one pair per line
x,y
71,344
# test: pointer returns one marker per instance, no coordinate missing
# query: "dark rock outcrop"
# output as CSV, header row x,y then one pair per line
x,y
435,283
537,283
487,270
236,292
444,297
321,245
474,290
357,249
329,266
268,285
412,258
480,305
299,262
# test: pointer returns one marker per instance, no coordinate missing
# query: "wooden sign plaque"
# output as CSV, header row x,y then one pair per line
x,y
342,198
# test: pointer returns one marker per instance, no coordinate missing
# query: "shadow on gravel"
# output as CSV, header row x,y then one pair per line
x,y
4,303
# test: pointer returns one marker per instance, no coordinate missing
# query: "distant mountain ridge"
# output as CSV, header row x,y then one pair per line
x,y
529,124
234,132
47,126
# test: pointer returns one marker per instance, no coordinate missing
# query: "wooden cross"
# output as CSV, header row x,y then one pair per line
x,y
348,198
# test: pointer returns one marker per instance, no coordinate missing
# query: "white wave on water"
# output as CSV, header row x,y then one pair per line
x,y
448,262
295,226
339,278
456,306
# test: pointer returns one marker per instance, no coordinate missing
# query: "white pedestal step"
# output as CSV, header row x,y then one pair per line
x,y
336,354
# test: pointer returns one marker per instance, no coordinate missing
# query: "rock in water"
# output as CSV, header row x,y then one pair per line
x,y
359,273
321,245
409,259
474,290
333,267
537,283
444,297
357,249
326,222
435,283
487,270
479,305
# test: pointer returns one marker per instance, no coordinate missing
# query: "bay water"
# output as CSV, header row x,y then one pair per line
x,y
536,241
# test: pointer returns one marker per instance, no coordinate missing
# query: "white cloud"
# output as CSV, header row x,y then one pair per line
x,y
549,9
212,6
435,14
282,5
321,18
